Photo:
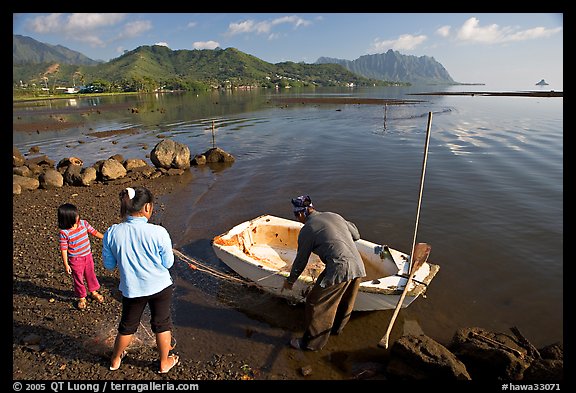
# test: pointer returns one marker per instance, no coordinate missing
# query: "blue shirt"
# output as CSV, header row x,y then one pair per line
x,y
143,254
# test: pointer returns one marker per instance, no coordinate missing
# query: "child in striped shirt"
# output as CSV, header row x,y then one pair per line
x,y
74,245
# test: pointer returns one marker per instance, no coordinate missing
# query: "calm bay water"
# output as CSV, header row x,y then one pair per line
x,y
492,206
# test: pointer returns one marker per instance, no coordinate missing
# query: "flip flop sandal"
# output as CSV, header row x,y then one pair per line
x,y
96,296
122,356
82,304
175,360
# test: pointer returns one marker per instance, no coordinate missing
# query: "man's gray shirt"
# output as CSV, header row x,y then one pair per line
x,y
331,237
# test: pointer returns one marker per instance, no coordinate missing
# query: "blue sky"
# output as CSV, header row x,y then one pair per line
x,y
503,50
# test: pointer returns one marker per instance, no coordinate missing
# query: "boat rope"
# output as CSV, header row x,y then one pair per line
x,y
194,264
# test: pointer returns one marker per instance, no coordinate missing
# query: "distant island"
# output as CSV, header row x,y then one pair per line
x,y
542,83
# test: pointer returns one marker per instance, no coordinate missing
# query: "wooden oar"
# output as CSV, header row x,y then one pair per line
x,y
421,252
384,341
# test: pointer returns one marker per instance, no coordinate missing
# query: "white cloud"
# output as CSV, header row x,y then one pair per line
x,y
84,27
191,25
246,26
293,20
86,21
73,23
205,45
443,31
403,42
162,44
264,27
471,31
46,24
537,32
134,29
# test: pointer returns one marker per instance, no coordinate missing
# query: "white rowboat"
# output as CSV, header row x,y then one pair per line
x,y
262,251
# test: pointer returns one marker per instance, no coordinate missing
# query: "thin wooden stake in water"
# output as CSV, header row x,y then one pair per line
x,y
384,341
385,113
213,141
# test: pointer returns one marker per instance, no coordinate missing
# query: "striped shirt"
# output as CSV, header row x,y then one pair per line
x,y
76,240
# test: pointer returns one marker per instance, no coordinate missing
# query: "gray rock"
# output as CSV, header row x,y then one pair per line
x,y
22,171
88,176
26,183
218,155
51,179
169,154
17,157
112,169
72,175
420,357
133,163
490,355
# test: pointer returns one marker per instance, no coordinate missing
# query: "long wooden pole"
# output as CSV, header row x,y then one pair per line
x,y
384,341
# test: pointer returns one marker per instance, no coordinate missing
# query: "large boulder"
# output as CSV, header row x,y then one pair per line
x,y
418,357
170,154
72,174
490,355
51,179
112,169
25,183
88,176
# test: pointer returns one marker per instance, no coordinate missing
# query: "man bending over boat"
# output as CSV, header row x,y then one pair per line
x,y
330,302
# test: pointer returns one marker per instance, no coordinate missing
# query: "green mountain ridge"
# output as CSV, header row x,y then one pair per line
x,y
394,66
26,50
153,68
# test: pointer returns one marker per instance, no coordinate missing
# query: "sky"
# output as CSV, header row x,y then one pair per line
x,y
501,50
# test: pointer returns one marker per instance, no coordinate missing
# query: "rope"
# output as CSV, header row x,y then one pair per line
x,y
197,265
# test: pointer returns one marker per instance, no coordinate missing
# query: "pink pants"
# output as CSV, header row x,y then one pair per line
x,y
83,268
